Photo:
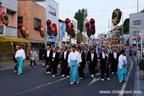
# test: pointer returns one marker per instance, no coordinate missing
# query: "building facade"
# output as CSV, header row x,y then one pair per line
x,y
52,13
31,15
66,38
136,25
7,32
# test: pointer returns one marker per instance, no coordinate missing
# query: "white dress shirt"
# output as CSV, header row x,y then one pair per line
x,y
65,53
103,55
53,56
20,53
120,60
92,56
115,55
48,53
74,56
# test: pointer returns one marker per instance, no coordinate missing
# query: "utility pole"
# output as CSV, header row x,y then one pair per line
x,y
137,44
84,40
137,6
122,29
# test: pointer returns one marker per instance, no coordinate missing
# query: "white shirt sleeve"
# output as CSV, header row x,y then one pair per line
x,y
69,57
79,58
121,62
24,57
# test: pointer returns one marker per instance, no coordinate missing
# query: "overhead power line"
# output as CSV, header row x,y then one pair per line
x,y
103,10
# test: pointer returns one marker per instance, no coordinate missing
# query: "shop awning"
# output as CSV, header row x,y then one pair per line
x,y
12,39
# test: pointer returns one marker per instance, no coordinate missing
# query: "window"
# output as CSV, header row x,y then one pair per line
x,y
137,22
37,22
1,29
52,10
20,19
135,33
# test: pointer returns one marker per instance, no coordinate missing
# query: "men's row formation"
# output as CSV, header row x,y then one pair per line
x,y
74,60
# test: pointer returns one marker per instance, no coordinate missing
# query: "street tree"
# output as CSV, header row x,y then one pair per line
x,y
79,16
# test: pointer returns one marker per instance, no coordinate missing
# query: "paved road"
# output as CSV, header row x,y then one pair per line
x,y
34,82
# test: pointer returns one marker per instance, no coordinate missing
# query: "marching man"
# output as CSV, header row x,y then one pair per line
x,y
20,57
74,60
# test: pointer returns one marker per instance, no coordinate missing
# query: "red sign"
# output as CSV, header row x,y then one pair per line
x,y
2,9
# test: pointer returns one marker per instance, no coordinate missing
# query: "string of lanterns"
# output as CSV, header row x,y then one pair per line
x,y
70,28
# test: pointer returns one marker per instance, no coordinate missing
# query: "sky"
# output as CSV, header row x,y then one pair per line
x,y
100,10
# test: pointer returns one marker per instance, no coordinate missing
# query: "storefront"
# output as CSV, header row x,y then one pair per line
x,y
7,46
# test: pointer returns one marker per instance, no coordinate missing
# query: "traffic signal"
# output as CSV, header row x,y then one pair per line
x,y
116,16
41,30
22,30
54,29
4,18
49,28
92,26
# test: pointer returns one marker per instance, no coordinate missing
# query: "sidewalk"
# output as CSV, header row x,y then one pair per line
x,y
10,64
139,84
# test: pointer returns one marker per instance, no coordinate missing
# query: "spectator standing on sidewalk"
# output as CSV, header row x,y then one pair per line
x,y
122,70
14,59
33,56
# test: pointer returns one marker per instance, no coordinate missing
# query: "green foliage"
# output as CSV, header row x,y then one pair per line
x,y
79,16
142,10
79,38
126,26
127,42
141,64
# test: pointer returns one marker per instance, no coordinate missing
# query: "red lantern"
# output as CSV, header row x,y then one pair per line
x,y
48,22
67,21
49,28
72,33
41,30
92,21
22,30
54,29
88,29
87,24
68,25
92,26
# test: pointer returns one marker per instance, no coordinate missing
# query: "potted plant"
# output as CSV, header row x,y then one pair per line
x,y
141,67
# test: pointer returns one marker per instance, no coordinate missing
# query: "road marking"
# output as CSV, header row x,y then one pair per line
x,y
17,75
5,77
93,81
50,83
124,85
